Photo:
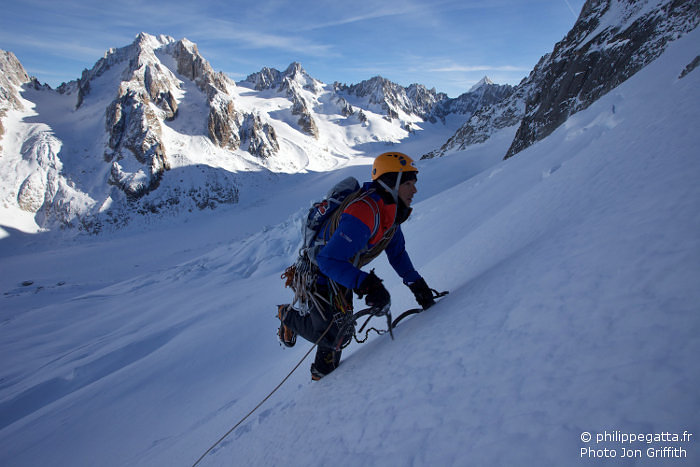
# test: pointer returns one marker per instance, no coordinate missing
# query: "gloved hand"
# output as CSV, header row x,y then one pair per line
x,y
374,292
423,293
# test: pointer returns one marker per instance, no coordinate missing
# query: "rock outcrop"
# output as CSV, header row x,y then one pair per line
x,y
12,76
610,41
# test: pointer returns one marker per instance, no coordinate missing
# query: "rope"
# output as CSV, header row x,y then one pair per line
x,y
351,321
265,399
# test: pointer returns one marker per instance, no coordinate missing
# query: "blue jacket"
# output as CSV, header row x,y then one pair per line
x,y
354,234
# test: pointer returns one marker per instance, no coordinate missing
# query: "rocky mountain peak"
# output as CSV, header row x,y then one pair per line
x,y
378,89
148,41
296,77
295,70
295,82
482,82
267,78
390,97
293,75
148,97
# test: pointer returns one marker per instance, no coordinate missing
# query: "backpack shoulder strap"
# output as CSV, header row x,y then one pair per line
x,y
371,218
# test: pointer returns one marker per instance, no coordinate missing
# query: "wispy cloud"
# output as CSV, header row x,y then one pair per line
x,y
372,12
61,48
471,68
354,18
122,25
253,38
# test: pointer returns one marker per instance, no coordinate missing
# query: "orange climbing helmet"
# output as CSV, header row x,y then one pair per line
x,y
392,162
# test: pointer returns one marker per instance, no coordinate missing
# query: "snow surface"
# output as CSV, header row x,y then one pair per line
x,y
573,307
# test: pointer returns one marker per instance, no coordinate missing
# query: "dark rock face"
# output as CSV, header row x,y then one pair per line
x,y
592,60
610,41
266,78
261,137
221,124
159,92
690,67
134,126
306,122
486,120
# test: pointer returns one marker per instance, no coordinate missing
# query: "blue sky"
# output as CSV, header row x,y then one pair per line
x,y
445,44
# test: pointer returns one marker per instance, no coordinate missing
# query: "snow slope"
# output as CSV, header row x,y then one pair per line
x,y
573,272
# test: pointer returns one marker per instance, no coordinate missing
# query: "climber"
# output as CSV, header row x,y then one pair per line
x,y
369,224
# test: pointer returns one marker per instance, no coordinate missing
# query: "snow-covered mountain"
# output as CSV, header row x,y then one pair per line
x,y
573,311
416,100
610,41
153,130
298,86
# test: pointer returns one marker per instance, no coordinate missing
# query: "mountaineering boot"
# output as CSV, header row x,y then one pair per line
x,y
315,374
325,362
285,334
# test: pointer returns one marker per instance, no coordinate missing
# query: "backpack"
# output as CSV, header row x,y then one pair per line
x,y
301,276
321,212
325,215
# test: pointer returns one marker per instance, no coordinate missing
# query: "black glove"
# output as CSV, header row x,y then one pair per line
x,y
376,295
423,293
